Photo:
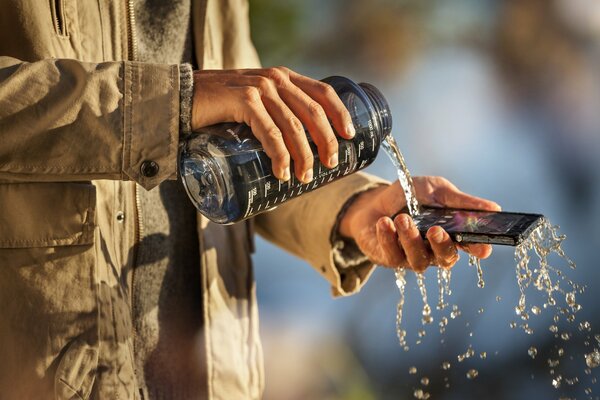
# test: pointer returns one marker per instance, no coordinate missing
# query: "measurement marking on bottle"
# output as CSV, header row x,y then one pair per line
x,y
251,194
361,147
267,206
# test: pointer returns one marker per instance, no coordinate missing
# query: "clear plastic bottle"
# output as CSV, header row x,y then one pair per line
x,y
228,176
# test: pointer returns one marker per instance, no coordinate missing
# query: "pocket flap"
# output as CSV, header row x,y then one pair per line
x,y
46,214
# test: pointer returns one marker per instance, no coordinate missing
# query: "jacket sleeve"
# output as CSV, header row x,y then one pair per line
x,y
66,120
306,228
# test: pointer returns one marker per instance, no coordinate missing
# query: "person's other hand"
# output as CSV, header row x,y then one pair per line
x,y
398,243
275,103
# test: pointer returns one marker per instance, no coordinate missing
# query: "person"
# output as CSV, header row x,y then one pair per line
x,y
111,286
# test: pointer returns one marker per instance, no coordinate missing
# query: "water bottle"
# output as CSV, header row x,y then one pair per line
x,y
228,176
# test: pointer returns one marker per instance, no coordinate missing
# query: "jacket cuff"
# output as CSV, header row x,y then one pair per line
x,y
151,122
342,264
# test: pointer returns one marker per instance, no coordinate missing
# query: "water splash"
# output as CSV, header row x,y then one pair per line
x,y
474,261
401,284
542,242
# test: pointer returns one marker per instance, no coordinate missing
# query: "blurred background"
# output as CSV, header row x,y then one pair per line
x,y
502,97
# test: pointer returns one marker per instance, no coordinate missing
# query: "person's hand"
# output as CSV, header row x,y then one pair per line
x,y
398,243
275,103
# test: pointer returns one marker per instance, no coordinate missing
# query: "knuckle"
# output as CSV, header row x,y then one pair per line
x,y
326,90
281,157
331,144
264,84
305,160
278,76
316,110
250,95
296,125
274,134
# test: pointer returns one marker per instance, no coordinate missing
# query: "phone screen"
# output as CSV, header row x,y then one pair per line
x,y
478,226
469,221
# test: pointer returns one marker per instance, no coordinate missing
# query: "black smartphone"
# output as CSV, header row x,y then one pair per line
x,y
470,226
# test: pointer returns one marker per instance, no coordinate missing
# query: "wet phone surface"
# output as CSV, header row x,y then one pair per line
x,y
469,226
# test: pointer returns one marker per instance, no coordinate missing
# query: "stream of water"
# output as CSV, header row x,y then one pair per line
x,y
544,277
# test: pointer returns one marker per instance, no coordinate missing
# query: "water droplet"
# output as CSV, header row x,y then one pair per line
x,y
565,336
446,365
570,298
553,328
412,370
480,311
532,352
592,360
556,382
536,310
420,394
483,355
422,333
585,326
498,298
424,381
472,373
513,325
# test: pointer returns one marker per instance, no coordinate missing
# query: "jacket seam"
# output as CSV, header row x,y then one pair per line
x,y
56,241
75,392
127,100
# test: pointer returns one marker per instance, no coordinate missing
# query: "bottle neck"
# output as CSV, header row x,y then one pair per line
x,y
381,107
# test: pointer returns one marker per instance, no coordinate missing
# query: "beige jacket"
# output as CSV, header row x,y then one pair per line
x,y
82,129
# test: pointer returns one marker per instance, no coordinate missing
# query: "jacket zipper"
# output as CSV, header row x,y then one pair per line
x,y
59,17
132,56
132,48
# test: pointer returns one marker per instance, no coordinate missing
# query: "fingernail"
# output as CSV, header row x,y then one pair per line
x,y
405,222
308,176
437,236
333,160
286,174
350,131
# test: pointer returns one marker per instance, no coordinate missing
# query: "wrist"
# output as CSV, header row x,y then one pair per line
x,y
358,205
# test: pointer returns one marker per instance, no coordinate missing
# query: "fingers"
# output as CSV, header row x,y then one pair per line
x,y
416,252
315,103
267,132
313,116
291,128
392,255
325,95
444,250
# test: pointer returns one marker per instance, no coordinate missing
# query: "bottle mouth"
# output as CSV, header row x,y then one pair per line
x,y
381,105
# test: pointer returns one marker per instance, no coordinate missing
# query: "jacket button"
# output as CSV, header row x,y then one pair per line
x,y
120,216
149,168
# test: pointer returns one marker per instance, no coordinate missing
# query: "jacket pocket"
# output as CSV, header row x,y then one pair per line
x,y
76,372
47,214
57,9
